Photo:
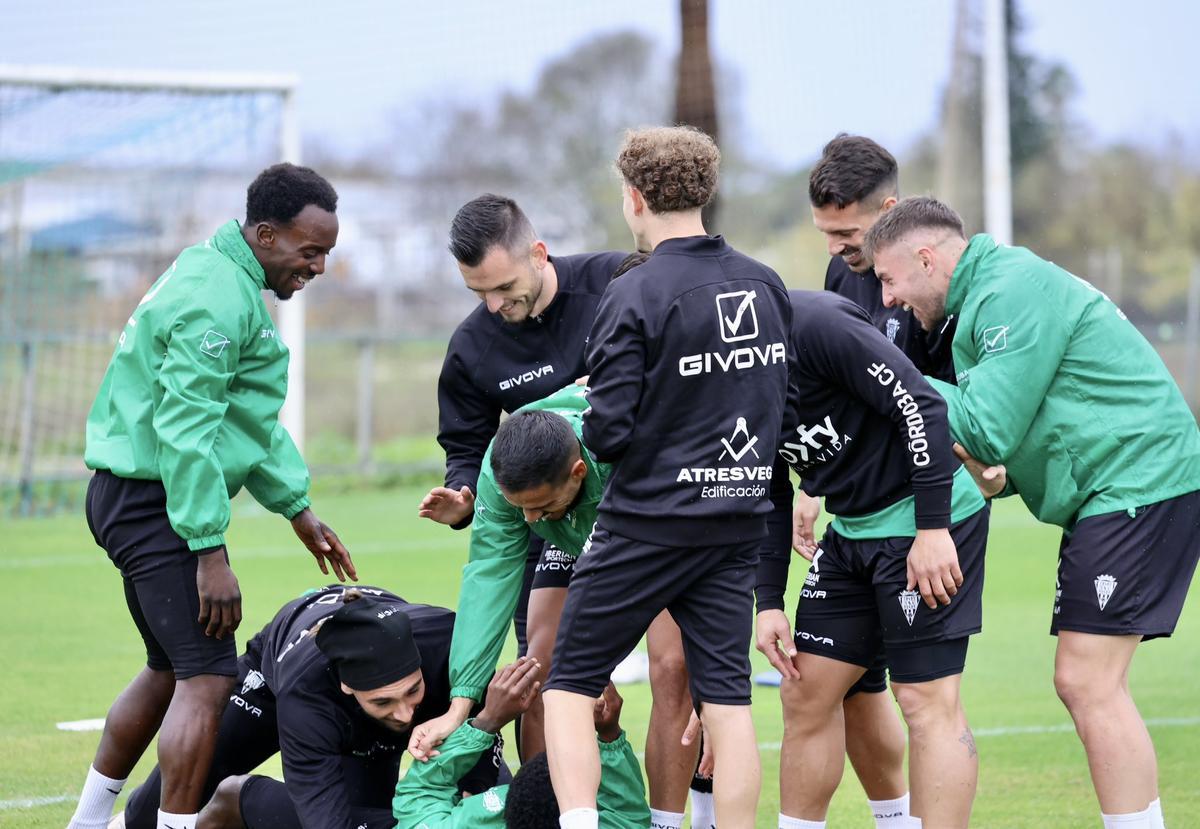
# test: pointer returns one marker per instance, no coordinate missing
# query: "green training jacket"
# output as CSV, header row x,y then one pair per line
x,y
1056,384
427,796
491,580
192,394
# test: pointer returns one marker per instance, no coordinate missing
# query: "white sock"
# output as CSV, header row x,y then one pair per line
x,y
890,814
166,820
96,801
1156,815
1133,820
786,822
704,811
666,820
579,819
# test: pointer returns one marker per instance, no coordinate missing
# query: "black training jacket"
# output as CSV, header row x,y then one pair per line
x,y
688,364
929,350
320,727
863,428
493,367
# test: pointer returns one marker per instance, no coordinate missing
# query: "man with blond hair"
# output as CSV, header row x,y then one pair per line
x,y
688,366
1056,385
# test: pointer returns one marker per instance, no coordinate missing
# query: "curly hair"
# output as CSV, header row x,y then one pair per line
x,y
530,803
674,168
281,191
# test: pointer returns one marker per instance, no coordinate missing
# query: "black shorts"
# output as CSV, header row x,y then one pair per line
x,y
855,600
554,568
620,585
128,518
1123,574
874,681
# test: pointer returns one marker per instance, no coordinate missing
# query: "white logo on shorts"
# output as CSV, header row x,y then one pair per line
x,y
253,680
1105,585
909,600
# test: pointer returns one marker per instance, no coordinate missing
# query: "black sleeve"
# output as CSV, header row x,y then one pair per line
x,y
310,745
467,421
848,349
616,361
775,555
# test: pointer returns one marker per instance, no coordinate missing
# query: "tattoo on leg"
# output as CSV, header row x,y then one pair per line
x,y
968,739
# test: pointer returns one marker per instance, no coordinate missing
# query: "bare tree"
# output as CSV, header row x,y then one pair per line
x,y
695,92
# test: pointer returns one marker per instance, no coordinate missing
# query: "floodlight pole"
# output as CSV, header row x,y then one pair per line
x,y
997,152
291,313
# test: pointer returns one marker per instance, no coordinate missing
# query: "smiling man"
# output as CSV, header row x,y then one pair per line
x,y
187,414
1056,385
335,684
524,341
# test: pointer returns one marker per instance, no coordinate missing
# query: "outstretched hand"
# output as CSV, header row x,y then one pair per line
x,y
804,523
607,714
324,544
447,506
509,694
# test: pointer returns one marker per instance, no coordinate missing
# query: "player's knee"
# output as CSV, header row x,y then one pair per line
x,y
206,692
669,679
926,703
1079,686
806,701
224,809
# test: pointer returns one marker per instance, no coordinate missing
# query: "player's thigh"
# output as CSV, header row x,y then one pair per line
x,y
715,615
619,586
906,620
836,614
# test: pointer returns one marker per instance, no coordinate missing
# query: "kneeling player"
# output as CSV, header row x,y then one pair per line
x,y
335,684
538,477
428,797
866,431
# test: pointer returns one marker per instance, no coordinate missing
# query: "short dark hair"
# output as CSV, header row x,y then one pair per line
x,y
630,262
484,222
852,168
531,803
532,448
914,213
281,191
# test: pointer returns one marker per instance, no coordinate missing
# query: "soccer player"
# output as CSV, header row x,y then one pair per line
x,y
428,797
850,187
334,684
1056,385
538,478
524,341
865,430
187,414
688,382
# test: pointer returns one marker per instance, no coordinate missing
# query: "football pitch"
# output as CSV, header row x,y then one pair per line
x,y
69,647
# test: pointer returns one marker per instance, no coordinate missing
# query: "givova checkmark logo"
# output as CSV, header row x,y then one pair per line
x,y
736,316
995,338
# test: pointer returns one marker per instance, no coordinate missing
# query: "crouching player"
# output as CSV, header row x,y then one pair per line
x,y
334,684
901,564
429,797
537,477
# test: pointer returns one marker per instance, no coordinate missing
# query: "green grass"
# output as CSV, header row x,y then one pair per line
x,y
69,648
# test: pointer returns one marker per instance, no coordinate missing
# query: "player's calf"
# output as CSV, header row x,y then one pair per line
x,y
224,810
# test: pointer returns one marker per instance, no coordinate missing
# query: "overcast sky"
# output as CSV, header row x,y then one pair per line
x,y
808,68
